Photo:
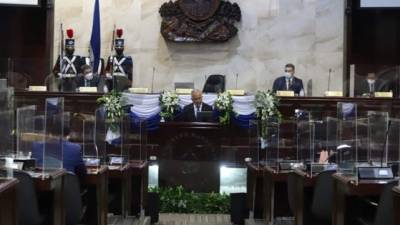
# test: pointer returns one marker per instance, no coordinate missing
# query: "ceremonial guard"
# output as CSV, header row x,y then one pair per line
x,y
70,66
119,67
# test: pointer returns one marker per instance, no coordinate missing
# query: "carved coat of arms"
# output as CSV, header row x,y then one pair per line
x,y
199,20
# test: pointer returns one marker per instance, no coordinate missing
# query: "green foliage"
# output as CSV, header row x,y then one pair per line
x,y
224,104
178,200
169,103
113,107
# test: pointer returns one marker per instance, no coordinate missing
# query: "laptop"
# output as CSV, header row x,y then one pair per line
x,y
205,116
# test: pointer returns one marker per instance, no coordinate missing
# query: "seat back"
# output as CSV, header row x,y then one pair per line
x,y
18,80
385,211
322,202
27,202
72,199
214,84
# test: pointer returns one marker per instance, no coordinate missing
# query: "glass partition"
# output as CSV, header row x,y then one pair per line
x,y
304,136
29,125
377,131
393,145
137,140
7,133
117,138
92,156
269,137
347,142
55,119
100,135
7,154
254,143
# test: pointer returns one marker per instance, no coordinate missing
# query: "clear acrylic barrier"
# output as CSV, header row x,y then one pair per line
x,y
347,138
91,154
23,72
117,137
53,147
323,153
6,96
377,130
393,145
137,140
100,136
304,136
29,125
254,143
7,134
269,137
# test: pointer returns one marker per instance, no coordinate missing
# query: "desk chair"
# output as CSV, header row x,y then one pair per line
x,y
215,84
72,199
385,211
27,202
321,207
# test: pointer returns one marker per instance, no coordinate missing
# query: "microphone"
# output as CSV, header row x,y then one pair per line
x,y
386,140
152,80
237,75
329,79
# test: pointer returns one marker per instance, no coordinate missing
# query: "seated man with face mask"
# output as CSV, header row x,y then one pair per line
x,y
288,82
370,85
88,78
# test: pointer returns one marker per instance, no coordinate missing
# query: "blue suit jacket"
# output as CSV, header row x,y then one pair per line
x,y
280,85
71,156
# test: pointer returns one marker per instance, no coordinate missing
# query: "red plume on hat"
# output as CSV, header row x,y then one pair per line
x,y
120,32
70,33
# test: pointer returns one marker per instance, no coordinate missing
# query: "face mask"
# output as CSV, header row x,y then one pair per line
x,y
288,75
370,81
89,76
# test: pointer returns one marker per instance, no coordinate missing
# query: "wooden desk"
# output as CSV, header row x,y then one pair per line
x,y
396,206
86,102
124,174
273,209
255,190
304,186
345,187
8,201
98,178
73,101
53,181
140,176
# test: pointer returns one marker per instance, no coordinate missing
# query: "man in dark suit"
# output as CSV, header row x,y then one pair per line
x,y
88,78
288,82
119,65
69,66
191,111
71,156
370,85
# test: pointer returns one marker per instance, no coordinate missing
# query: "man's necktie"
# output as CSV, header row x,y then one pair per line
x,y
197,111
287,84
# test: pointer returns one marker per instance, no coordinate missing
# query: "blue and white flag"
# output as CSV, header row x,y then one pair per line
x,y
95,40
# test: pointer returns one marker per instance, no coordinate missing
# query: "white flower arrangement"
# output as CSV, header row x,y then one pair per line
x,y
267,105
113,108
267,109
169,102
224,105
